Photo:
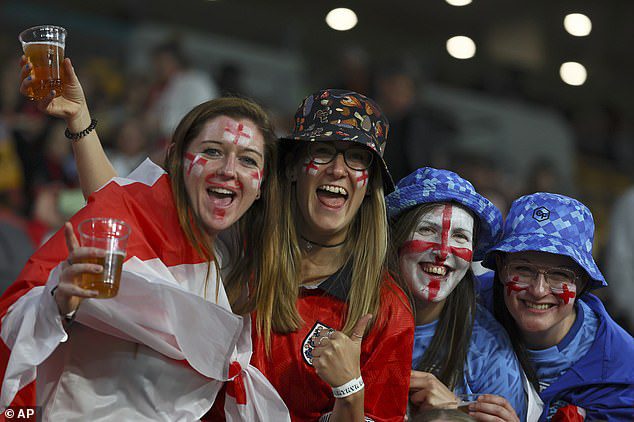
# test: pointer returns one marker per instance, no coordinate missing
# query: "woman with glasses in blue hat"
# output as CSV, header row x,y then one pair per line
x,y
331,326
439,225
570,348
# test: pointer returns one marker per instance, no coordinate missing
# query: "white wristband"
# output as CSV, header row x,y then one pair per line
x,y
351,387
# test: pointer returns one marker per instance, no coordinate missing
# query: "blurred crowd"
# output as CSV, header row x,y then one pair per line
x,y
491,134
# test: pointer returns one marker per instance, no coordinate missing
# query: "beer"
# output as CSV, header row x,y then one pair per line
x,y
44,47
107,282
48,75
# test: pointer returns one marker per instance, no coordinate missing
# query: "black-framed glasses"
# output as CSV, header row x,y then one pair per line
x,y
556,277
356,157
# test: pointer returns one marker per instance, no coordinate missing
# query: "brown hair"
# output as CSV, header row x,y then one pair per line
x,y
365,248
446,355
248,239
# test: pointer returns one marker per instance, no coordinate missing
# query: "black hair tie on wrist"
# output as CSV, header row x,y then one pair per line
x,y
79,135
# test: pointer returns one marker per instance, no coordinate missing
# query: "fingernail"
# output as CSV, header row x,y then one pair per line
x,y
471,407
97,269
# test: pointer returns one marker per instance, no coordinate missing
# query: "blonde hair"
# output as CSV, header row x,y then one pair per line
x,y
366,248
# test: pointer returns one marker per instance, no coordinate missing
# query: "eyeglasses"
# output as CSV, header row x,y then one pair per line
x,y
555,277
355,157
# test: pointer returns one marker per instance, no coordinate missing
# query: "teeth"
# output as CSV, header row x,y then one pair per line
x,y
540,306
334,189
435,269
222,191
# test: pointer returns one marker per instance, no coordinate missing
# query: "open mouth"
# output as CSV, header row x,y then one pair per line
x,y
537,306
332,196
434,269
221,196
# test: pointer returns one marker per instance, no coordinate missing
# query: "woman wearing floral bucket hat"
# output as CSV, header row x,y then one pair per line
x,y
336,319
330,324
439,225
571,349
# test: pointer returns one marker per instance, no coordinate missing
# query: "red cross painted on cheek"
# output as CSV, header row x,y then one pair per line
x,y
310,167
239,135
515,286
193,161
362,178
565,294
256,179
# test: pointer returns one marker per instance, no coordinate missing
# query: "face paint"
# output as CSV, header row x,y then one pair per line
x,y
515,286
439,253
256,179
239,134
565,293
362,178
194,163
219,213
310,167
212,179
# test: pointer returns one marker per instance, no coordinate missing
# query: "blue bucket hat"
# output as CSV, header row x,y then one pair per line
x,y
343,115
427,185
552,223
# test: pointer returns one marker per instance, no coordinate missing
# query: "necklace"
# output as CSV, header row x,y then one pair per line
x,y
310,244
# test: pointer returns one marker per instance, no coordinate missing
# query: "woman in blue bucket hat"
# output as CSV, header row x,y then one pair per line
x,y
570,348
439,225
330,323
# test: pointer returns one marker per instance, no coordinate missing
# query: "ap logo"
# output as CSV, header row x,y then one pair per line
x,y
541,214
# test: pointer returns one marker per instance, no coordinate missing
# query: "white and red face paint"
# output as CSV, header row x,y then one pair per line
x,y
194,164
439,253
222,171
310,167
565,293
237,133
361,178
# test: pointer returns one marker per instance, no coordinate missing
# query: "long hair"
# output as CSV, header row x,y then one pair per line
x,y
365,249
256,231
504,317
447,353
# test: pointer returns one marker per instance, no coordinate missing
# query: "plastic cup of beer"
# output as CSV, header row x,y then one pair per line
x,y
112,236
44,46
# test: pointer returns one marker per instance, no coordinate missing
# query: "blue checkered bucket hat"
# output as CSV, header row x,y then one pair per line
x,y
427,185
552,223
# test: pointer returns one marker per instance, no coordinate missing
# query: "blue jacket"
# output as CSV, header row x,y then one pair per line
x,y
602,381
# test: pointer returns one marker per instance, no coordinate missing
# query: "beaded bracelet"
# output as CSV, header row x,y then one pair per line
x,y
349,388
79,135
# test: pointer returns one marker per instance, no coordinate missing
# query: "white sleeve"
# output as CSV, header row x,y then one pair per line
x,y
32,329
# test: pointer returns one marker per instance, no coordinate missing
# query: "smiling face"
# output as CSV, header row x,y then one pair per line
x,y
222,171
439,252
543,314
328,196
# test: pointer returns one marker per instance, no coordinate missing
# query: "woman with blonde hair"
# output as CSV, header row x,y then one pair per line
x,y
315,341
